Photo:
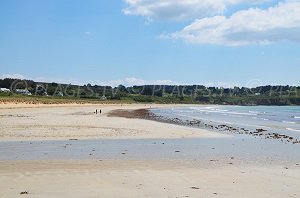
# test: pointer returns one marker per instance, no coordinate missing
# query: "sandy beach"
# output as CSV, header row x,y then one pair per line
x,y
52,122
144,179
69,151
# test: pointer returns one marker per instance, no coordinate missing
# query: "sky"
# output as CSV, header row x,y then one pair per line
x,y
134,42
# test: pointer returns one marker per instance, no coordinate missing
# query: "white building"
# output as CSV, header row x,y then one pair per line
x,y
4,90
23,91
59,94
103,98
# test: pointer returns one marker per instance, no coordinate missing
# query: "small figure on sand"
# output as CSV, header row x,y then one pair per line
x,y
96,111
100,111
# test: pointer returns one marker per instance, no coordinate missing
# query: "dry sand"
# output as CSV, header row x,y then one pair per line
x,y
45,122
124,177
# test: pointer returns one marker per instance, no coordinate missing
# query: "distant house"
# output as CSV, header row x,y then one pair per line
x,y
59,94
23,92
103,98
40,90
4,90
257,94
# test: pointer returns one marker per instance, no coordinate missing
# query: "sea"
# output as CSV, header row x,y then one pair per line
x,y
279,119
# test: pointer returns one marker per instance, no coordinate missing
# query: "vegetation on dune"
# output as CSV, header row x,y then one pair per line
x,y
54,93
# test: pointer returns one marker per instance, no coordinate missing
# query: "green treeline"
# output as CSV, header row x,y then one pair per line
x,y
193,94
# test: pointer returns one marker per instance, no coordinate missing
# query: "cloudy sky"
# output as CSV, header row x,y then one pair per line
x,y
211,42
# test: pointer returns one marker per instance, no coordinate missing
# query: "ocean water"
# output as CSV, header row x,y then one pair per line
x,y
281,119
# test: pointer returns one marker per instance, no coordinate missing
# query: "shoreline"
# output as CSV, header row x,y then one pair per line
x,y
198,123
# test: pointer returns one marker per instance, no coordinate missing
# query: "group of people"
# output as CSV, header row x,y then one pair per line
x,y
97,111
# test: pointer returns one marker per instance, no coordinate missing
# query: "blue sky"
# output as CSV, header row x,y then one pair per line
x,y
222,42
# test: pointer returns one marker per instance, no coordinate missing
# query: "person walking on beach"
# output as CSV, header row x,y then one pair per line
x,y
96,111
100,111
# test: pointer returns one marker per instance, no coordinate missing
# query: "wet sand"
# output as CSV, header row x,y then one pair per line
x,y
144,179
69,151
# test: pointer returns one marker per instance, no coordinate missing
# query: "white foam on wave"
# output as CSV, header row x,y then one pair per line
x,y
204,119
203,108
296,117
288,122
216,110
210,108
290,129
264,119
239,113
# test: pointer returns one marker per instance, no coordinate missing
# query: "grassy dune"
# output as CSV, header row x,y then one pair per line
x,y
8,98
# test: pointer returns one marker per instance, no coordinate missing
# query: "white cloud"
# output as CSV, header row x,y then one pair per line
x,y
14,76
130,81
220,84
252,26
177,10
165,82
44,79
134,81
72,81
87,33
113,83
